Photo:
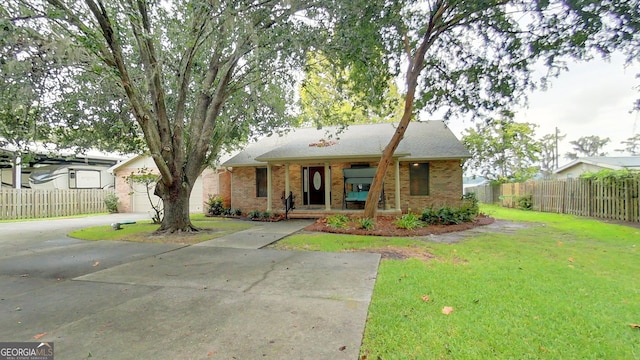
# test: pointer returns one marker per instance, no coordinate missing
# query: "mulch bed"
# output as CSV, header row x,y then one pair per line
x,y
385,227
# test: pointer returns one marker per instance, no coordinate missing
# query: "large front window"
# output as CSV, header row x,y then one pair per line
x,y
419,178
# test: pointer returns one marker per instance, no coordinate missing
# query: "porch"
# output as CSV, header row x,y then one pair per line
x,y
317,212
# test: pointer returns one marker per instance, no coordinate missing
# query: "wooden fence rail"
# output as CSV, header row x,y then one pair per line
x,y
30,204
612,199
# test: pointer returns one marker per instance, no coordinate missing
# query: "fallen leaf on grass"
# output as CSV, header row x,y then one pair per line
x,y
447,310
39,335
96,263
570,259
635,326
425,298
559,243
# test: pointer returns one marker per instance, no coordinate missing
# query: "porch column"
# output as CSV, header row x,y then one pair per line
x,y
269,195
397,197
286,180
327,187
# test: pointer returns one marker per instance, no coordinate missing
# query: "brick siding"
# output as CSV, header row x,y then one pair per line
x,y
445,186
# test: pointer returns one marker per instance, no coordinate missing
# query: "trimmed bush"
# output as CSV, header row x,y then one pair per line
x,y
111,202
449,215
215,206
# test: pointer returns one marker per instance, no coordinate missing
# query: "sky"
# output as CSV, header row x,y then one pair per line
x,y
591,98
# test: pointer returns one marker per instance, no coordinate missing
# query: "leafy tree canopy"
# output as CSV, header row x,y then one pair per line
x,y
588,146
469,57
503,150
631,145
326,98
549,152
197,76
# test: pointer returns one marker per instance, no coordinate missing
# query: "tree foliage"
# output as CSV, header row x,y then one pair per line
x,y
26,68
502,150
588,146
631,145
469,57
548,156
196,75
326,99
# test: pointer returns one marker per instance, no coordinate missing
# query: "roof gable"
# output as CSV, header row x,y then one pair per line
x,y
607,162
422,141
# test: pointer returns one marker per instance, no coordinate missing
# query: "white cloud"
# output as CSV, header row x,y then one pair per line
x,y
592,98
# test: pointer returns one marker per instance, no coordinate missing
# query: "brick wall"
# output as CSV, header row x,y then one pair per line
x,y
445,185
210,184
224,187
124,189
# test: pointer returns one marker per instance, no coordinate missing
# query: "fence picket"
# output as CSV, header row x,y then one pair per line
x,y
615,199
28,203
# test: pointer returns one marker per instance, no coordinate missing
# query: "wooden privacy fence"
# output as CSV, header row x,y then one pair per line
x,y
610,199
29,204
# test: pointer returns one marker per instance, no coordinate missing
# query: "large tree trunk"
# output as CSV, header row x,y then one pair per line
x,y
371,205
415,66
176,207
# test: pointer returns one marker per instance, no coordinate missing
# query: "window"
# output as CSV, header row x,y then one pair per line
x,y
419,178
261,182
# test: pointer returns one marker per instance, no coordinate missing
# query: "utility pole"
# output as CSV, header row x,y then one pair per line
x,y
556,150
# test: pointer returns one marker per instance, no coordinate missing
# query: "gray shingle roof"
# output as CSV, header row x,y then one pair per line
x,y
428,140
610,162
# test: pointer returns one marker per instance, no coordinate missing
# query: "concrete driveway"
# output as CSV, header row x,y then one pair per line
x,y
119,300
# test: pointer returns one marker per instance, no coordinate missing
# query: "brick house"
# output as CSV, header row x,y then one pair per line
x,y
328,171
133,197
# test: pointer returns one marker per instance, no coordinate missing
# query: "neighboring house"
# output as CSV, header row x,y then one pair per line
x,y
580,166
328,171
46,158
133,196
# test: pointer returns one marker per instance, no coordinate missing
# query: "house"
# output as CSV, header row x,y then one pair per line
x,y
47,158
133,196
583,165
328,170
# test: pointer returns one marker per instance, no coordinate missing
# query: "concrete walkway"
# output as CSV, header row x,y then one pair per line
x,y
222,299
258,236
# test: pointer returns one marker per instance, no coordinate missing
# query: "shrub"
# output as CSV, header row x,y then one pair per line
x,y
525,202
236,212
265,215
367,223
338,221
450,216
215,206
470,203
111,202
255,214
408,221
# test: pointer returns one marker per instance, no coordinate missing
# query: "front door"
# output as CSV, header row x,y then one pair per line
x,y
314,185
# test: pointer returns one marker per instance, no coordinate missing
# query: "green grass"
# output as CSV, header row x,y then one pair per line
x,y
53,217
142,231
564,288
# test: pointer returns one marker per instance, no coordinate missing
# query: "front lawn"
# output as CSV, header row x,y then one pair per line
x,y
142,231
563,288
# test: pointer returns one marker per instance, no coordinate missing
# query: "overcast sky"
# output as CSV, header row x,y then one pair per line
x,y
592,98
